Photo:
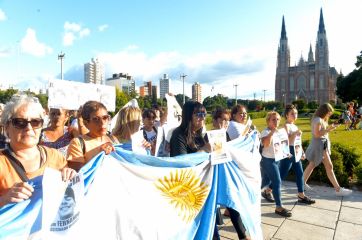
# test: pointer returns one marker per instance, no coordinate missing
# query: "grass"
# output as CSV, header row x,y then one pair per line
x,y
347,138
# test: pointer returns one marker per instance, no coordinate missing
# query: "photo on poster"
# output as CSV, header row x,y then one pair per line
x,y
298,150
281,145
217,140
68,211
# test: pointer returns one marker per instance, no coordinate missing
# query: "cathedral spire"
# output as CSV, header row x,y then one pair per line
x,y
310,54
321,23
284,32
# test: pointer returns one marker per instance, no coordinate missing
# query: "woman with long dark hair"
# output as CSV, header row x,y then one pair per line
x,y
189,137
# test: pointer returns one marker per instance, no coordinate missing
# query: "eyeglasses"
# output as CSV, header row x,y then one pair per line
x,y
200,115
100,119
22,123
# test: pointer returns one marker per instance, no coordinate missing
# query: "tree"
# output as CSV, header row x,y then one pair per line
x,y
211,103
179,99
300,103
6,95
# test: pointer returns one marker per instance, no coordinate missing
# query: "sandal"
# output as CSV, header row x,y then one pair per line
x,y
268,196
284,213
306,200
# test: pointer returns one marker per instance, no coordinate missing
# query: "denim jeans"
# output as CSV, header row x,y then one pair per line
x,y
270,173
286,164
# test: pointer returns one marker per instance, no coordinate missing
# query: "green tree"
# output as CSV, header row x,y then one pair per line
x,y
6,95
179,99
300,103
211,103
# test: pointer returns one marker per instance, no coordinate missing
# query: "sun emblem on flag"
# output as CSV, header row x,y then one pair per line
x,y
185,191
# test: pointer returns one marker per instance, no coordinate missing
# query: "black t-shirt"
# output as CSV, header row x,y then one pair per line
x,y
178,144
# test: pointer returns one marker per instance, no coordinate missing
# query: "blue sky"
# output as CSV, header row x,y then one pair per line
x,y
217,43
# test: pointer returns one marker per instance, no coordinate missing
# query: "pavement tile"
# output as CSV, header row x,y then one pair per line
x,y
351,215
315,216
269,217
292,230
354,200
268,231
328,203
348,231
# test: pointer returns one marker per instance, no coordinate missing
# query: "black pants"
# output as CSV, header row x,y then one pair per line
x,y
237,223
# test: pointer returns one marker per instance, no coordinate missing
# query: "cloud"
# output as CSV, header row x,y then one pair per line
x,y
245,67
73,32
30,44
2,15
5,51
103,27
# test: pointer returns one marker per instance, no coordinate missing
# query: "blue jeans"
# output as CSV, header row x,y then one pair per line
x,y
270,173
286,164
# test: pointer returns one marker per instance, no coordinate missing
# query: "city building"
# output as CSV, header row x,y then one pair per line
x,y
123,82
312,79
94,72
196,92
146,89
164,85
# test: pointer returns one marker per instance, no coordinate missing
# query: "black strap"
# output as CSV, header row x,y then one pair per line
x,y
19,168
82,144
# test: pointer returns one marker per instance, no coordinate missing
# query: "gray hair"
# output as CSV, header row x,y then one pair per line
x,y
18,100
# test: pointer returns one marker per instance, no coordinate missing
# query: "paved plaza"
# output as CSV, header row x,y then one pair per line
x,y
330,218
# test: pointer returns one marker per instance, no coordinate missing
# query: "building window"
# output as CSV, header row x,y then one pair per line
x,y
301,83
321,82
291,84
311,83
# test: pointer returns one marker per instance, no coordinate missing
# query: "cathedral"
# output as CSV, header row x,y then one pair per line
x,y
310,80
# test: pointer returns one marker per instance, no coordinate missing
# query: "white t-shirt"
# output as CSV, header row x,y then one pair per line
x,y
267,152
235,129
291,128
151,136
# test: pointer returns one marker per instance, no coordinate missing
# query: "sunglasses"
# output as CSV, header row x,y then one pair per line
x,y
200,115
22,123
100,119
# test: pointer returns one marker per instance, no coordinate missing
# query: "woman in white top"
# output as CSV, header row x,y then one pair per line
x,y
238,124
269,166
319,149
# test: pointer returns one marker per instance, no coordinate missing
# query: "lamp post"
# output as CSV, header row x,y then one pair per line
x,y
183,87
236,94
264,90
60,57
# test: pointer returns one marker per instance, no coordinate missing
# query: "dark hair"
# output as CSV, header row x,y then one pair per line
x,y
218,112
90,107
188,109
148,113
69,193
236,109
289,108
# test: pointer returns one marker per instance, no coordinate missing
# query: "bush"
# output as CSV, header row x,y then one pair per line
x,y
350,158
358,173
255,115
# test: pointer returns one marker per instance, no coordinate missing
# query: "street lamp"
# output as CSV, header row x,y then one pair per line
x,y
183,87
236,94
60,57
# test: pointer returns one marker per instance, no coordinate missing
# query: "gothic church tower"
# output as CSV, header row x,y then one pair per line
x,y
310,80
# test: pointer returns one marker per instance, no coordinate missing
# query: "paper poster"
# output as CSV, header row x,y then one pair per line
x,y
281,144
298,150
137,143
219,152
71,95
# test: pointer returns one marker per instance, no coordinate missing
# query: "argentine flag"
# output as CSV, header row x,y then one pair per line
x,y
125,195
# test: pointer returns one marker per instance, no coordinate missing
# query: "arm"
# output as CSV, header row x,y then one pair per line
x,y
178,144
267,140
319,132
75,156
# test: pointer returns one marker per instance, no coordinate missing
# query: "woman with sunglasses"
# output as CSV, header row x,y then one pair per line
x,y
238,124
24,159
188,137
220,120
57,135
82,149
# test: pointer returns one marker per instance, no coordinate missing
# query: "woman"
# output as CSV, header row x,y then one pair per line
x,y
149,130
319,149
188,137
238,124
57,135
23,121
220,120
82,149
269,166
128,123
291,115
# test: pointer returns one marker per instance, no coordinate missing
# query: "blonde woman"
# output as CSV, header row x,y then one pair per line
x,y
319,149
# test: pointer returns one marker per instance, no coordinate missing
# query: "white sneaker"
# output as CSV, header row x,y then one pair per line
x,y
307,187
343,192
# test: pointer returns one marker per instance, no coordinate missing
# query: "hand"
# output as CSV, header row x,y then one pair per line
x,y
17,193
206,148
146,144
107,147
68,173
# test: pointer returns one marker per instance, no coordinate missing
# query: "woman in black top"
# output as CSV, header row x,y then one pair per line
x,y
188,137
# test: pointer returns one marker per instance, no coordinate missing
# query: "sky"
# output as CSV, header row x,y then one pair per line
x,y
219,44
